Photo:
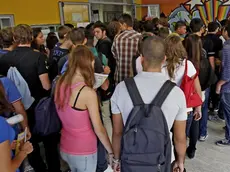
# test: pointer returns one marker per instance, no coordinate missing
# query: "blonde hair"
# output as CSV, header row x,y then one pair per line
x,y
175,53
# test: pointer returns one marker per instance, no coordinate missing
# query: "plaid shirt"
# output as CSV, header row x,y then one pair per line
x,y
125,47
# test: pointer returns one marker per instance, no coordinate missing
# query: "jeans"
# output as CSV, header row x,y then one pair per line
x,y
106,118
204,119
225,102
192,131
80,163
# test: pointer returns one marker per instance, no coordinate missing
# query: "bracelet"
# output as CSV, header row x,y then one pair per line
x,y
116,161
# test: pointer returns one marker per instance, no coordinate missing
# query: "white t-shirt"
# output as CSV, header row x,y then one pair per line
x,y
148,84
179,73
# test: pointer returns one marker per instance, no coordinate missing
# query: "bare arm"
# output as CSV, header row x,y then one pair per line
x,y
93,108
180,140
6,164
19,109
44,78
117,134
212,62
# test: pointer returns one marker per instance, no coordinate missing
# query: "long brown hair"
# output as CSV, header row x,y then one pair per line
x,y
80,60
5,106
193,46
175,53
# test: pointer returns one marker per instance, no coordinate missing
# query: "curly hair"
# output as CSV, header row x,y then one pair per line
x,y
175,53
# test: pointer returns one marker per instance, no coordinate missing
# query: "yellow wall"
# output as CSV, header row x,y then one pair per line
x,y
33,11
36,11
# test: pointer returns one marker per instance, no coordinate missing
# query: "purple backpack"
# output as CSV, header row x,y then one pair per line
x,y
46,118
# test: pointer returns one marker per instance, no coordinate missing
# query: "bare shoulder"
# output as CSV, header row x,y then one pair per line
x,y
89,92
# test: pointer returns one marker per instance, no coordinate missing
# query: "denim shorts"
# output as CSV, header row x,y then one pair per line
x,y
80,163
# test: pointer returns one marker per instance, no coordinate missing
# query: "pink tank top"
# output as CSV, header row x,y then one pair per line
x,y
77,135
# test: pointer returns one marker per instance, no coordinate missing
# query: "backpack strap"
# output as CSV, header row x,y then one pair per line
x,y
133,92
163,93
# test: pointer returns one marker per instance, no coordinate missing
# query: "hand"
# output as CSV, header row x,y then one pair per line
x,y
197,113
110,159
218,88
116,167
107,70
178,167
13,145
105,85
28,134
27,148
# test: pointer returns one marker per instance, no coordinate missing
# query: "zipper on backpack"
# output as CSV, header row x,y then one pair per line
x,y
159,168
135,133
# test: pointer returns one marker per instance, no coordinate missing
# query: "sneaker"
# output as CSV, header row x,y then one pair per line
x,y
191,152
223,142
203,138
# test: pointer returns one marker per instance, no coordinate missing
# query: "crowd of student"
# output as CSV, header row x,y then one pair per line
x,y
133,124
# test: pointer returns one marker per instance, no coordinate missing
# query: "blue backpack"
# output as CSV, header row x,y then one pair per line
x,y
46,117
146,144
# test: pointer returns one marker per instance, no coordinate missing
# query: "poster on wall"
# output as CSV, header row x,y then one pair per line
x,y
207,10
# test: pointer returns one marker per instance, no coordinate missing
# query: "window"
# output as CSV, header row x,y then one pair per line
x,y
6,21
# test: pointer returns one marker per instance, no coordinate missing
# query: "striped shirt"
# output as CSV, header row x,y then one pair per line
x,y
225,73
125,47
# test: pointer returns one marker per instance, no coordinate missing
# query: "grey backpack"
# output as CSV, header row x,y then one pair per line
x,y
146,144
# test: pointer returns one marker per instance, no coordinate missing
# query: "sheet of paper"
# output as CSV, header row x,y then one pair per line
x,y
77,17
99,79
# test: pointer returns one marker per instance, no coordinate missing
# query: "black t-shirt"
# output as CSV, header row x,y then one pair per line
x,y
104,46
58,53
30,64
213,45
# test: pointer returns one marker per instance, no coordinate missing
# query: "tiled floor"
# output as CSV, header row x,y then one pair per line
x,y
209,157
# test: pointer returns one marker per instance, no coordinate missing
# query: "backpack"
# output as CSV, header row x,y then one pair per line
x,y
22,86
188,87
46,117
53,66
146,144
207,75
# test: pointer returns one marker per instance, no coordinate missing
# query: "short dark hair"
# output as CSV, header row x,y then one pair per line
x,y
163,32
180,24
227,28
100,26
62,31
212,26
196,25
23,34
127,19
224,22
77,35
153,51
90,37
6,37
69,25
148,26
51,41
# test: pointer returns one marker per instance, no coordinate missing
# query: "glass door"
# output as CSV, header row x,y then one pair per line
x,y
74,13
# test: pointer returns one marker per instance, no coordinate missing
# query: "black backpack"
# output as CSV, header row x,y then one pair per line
x,y
207,76
146,144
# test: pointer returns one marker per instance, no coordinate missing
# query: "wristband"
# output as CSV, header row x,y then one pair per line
x,y
116,161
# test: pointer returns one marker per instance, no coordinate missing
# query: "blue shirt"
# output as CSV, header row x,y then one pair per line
x,y
11,90
225,70
7,133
